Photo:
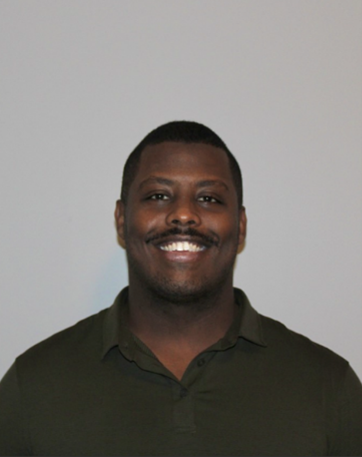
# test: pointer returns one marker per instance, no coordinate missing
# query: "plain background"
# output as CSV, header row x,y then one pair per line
x,y
82,82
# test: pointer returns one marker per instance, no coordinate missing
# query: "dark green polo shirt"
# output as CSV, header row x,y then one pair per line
x,y
95,389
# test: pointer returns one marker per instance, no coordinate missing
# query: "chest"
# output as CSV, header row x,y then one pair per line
x,y
222,407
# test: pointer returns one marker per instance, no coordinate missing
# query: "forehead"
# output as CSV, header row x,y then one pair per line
x,y
184,160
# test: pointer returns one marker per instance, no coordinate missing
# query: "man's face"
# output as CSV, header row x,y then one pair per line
x,y
181,226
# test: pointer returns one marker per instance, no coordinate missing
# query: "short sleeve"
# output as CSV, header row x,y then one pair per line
x,y
12,431
348,436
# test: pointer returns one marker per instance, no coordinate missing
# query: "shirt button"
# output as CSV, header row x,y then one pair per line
x,y
200,362
183,392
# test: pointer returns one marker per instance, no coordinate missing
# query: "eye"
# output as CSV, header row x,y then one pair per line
x,y
208,199
159,196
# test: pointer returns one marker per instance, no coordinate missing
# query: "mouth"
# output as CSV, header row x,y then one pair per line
x,y
190,240
182,246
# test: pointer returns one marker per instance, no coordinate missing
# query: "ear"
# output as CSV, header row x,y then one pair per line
x,y
242,227
119,220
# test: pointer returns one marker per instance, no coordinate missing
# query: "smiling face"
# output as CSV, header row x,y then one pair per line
x,y
181,225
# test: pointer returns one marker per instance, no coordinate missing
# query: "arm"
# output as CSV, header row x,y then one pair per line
x,y
12,427
347,439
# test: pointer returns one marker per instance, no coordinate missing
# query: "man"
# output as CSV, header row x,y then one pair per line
x,y
181,364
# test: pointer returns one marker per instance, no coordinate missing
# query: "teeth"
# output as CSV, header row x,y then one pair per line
x,y
182,246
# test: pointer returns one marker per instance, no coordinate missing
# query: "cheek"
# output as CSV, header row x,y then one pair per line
x,y
139,224
227,229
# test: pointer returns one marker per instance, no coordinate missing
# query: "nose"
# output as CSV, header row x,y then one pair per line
x,y
183,212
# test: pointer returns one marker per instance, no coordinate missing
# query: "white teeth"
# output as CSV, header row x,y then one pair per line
x,y
182,246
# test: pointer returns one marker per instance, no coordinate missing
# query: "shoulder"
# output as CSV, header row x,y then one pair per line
x,y
300,352
65,349
282,348
319,383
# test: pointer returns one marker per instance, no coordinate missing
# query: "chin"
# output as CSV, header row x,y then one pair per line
x,y
184,293
180,289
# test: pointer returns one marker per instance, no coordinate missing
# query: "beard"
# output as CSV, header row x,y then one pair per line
x,y
199,291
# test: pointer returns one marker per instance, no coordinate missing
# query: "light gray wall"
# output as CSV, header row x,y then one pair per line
x,y
83,81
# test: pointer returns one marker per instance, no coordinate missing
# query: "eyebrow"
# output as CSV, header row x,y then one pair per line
x,y
157,180
169,182
212,182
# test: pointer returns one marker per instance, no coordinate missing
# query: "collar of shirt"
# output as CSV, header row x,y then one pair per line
x,y
247,325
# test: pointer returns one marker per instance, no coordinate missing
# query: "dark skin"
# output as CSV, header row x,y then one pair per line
x,y
181,297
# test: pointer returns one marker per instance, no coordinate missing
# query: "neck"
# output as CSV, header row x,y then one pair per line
x,y
176,331
193,321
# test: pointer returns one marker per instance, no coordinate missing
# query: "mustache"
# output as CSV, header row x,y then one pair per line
x,y
204,239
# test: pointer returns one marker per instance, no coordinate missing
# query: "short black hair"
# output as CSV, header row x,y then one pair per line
x,y
179,132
